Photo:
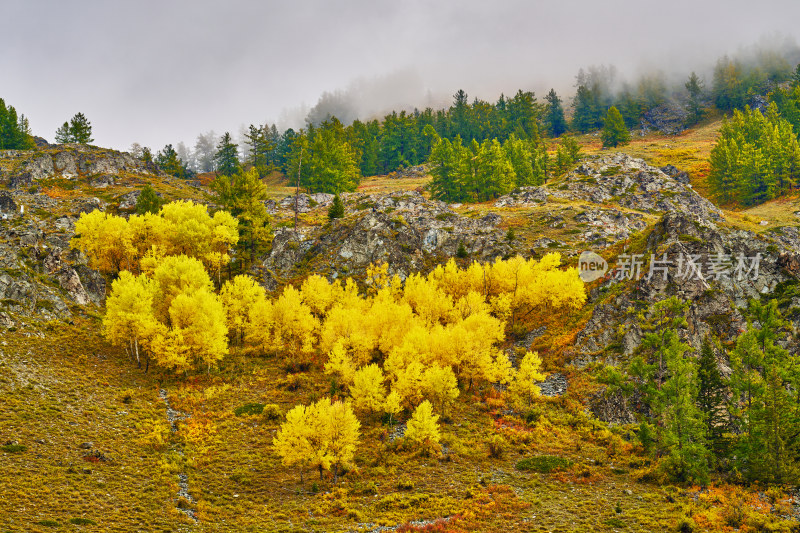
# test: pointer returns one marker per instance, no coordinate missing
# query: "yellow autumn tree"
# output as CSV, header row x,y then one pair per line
x,y
112,243
342,435
422,429
294,326
392,405
525,386
439,385
322,435
408,383
292,442
258,328
200,318
432,305
368,391
178,275
193,232
239,295
130,318
106,241
340,364
320,295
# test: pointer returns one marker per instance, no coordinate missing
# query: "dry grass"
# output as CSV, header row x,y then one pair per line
x,y
72,388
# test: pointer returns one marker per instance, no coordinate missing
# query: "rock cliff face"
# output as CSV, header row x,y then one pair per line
x,y
624,181
22,168
39,274
405,230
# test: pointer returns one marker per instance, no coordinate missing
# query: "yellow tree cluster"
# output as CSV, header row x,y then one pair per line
x,y
405,343
112,243
162,304
172,314
322,435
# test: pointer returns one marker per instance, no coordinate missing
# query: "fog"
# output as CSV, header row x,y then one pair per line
x,y
163,72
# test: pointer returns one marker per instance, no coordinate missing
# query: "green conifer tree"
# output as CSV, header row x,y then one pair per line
x,y
615,132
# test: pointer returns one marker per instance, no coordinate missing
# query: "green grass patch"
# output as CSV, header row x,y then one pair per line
x,y
82,522
249,409
13,448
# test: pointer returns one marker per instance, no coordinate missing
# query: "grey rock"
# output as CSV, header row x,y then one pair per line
x,y
7,204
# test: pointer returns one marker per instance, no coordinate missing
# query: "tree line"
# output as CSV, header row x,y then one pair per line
x,y
692,420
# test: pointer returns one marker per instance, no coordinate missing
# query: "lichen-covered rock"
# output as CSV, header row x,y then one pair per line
x,y
404,229
724,282
22,168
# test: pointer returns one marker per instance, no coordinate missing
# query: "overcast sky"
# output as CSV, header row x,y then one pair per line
x,y
158,72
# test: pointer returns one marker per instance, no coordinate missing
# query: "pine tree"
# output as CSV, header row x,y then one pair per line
x,y
615,132
226,158
336,210
694,86
77,130
554,118
756,158
728,88
765,403
447,161
668,380
711,395
683,436
148,201
63,135
258,147
169,162
523,114
587,115
14,130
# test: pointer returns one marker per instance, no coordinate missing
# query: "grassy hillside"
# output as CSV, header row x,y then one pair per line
x,y
89,442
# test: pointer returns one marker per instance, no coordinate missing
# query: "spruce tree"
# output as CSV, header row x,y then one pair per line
x,y
668,379
169,162
615,132
765,403
694,86
80,129
336,210
587,114
148,201
63,135
14,130
711,395
227,156
259,147
556,122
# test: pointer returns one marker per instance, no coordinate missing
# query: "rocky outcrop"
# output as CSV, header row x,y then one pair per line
x,y
99,166
39,274
622,180
669,118
633,184
405,230
728,268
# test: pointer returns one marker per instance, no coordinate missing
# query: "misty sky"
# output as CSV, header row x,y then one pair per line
x,y
158,72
